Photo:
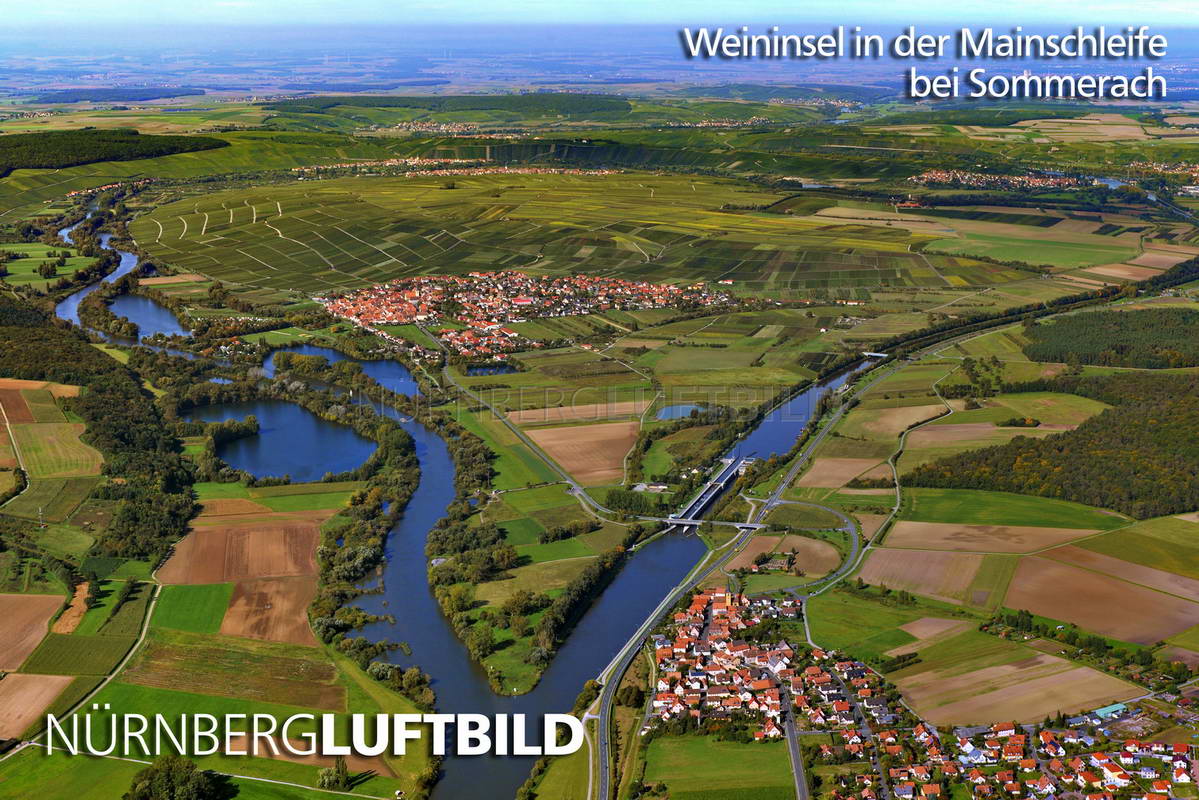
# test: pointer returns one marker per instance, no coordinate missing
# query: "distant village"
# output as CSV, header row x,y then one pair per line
x,y
482,305
983,180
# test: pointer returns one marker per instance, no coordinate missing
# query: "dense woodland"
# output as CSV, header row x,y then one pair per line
x,y
1140,457
1151,339
57,149
124,94
123,423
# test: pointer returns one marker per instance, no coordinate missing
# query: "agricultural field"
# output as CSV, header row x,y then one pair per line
x,y
702,768
978,507
194,608
972,677
62,470
24,698
78,654
24,622
346,234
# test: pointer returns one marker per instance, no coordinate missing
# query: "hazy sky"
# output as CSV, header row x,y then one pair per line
x,y
1176,13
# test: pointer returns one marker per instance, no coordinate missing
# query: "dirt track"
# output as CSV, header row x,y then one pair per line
x,y
69,620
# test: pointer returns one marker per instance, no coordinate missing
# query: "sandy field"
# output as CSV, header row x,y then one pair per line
x,y
164,280
890,422
1158,579
1098,602
817,558
231,505
833,473
274,609
979,538
1159,259
275,545
942,575
875,492
1192,516
871,523
1024,691
593,454
24,621
651,344
15,408
56,389
583,413
949,433
1125,271
1087,282
929,630
23,698
756,546
69,620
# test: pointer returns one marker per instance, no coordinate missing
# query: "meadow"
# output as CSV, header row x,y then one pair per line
x,y
977,507
198,608
702,768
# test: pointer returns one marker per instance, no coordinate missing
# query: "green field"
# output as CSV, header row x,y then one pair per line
x,y
53,499
975,507
1033,250
77,654
24,271
53,450
41,402
803,516
702,768
865,626
1050,408
199,609
1166,543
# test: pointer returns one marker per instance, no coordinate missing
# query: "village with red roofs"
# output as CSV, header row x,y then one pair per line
x,y
714,670
482,305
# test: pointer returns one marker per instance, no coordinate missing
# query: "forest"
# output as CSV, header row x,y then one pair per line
x,y
58,149
1157,338
1140,457
125,94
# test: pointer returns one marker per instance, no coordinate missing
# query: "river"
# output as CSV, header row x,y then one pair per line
x,y
307,447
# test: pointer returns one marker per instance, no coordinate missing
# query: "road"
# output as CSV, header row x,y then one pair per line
x,y
610,676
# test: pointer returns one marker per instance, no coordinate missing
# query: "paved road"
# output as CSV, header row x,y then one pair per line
x,y
621,662
791,730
